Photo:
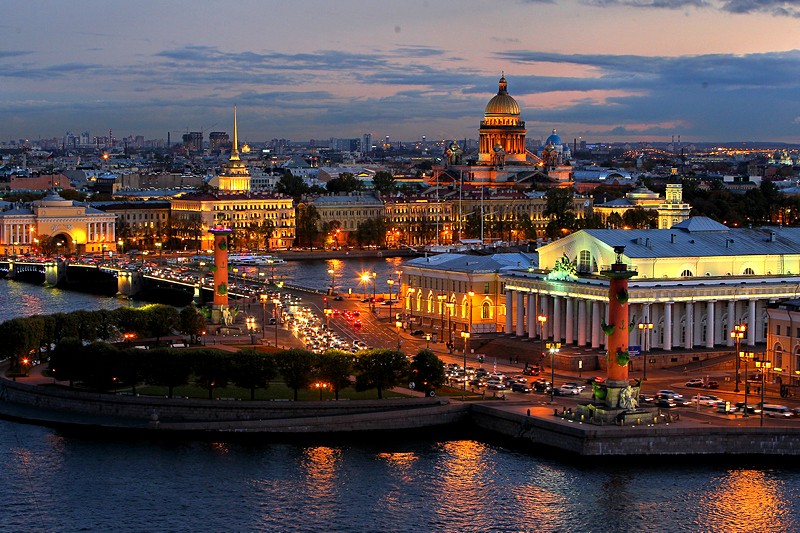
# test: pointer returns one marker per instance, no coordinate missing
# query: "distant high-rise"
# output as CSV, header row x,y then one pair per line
x,y
366,143
193,141
218,140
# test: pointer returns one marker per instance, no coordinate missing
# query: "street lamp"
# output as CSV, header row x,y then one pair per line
x,y
332,273
554,347
746,356
251,327
738,334
277,302
160,247
398,325
364,281
645,328
263,298
374,287
390,282
465,335
542,321
764,366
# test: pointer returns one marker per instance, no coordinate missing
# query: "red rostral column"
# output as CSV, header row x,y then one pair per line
x,y
221,236
617,375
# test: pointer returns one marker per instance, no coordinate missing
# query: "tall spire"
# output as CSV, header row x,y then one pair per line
x,y
235,147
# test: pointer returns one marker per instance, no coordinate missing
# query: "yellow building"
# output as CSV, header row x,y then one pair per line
x,y
53,222
671,210
418,220
783,343
234,175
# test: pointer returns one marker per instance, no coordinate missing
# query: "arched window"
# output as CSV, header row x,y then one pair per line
x,y
585,261
687,274
486,310
778,363
430,303
748,272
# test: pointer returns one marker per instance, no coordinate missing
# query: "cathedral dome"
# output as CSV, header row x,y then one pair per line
x,y
502,103
554,139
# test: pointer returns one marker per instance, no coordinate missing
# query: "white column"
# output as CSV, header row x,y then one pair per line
x,y
544,301
752,325
509,315
581,322
688,340
596,330
520,313
569,334
531,315
667,326
710,325
557,318
731,321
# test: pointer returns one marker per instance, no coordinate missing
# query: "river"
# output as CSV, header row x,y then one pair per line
x,y
55,480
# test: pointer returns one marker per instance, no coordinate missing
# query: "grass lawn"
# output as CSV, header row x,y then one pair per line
x,y
275,391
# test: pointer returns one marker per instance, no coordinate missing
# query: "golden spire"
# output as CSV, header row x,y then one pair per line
x,y
235,147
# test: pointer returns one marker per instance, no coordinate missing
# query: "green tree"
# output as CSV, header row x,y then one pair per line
x,y
559,209
161,320
335,367
346,182
639,218
65,363
307,224
291,185
17,340
253,370
166,367
192,322
380,369
297,368
384,183
371,232
427,370
212,369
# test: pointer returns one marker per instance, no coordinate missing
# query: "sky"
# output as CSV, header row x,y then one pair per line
x,y
598,70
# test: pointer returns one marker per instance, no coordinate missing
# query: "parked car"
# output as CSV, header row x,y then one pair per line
x,y
418,333
696,382
711,384
520,387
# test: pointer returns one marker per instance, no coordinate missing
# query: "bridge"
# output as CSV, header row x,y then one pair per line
x,y
106,278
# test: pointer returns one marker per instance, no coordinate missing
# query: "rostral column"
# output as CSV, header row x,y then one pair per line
x,y
221,237
617,344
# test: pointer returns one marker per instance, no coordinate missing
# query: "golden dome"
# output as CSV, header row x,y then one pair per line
x,y
502,103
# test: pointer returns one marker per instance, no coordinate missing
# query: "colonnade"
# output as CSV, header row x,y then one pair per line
x,y
574,320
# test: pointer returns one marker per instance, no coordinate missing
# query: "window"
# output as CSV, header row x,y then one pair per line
x,y
687,274
585,261
778,357
778,329
486,310
748,272
485,288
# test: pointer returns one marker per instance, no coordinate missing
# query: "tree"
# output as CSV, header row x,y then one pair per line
x,y
253,370
291,185
161,320
64,362
371,232
212,369
192,322
380,369
384,183
307,224
427,370
346,182
167,368
297,368
559,208
335,367
639,218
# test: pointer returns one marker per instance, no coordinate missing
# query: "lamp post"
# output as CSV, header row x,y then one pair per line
x,y
251,327
645,328
364,281
542,319
160,247
332,273
746,356
390,282
398,325
374,288
764,366
277,302
738,334
465,335
554,347
263,298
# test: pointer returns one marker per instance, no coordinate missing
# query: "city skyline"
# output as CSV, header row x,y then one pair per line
x,y
604,71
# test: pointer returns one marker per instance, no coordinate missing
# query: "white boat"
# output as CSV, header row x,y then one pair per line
x,y
254,260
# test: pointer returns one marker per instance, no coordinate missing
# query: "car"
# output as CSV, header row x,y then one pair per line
x,y
595,379
706,399
751,409
532,371
567,390
417,333
495,385
682,402
666,403
338,298
696,382
520,387
356,323
577,386
776,411
667,393
541,385
646,398
711,384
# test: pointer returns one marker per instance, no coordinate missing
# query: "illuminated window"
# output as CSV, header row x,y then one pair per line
x,y
486,310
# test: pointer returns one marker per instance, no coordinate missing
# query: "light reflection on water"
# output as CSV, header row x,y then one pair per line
x,y
55,481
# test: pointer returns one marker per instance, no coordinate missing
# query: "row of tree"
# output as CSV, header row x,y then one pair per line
x,y
30,335
101,366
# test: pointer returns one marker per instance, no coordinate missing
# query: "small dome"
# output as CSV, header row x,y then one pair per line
x,y
502,103
554,139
